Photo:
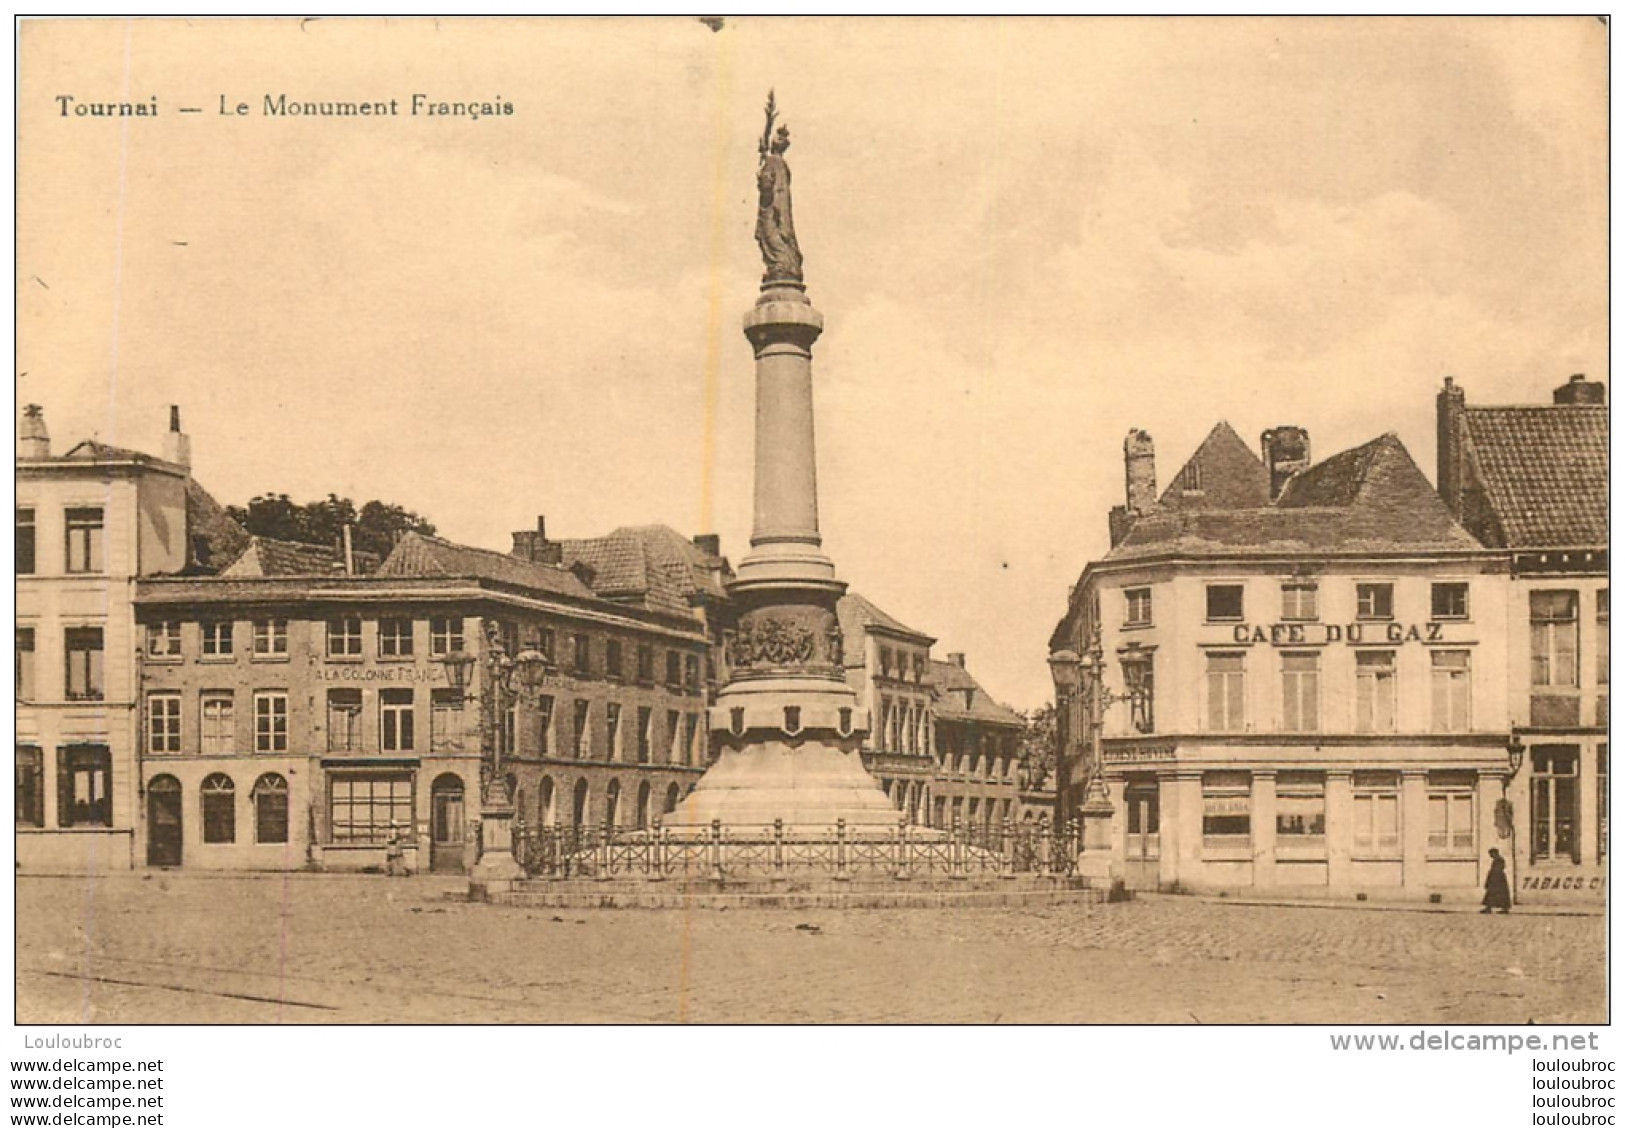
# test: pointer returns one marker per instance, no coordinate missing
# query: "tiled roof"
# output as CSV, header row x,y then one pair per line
x,y
266,556
214,536
857,615
1228,475
93,450
951,682
1544,472
1372,498
652,565
418,555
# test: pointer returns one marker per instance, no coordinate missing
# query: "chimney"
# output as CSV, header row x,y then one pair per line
x,y
1450,411
1286,451
177,445
533,545
1140,473
33,440
1580,392
349,551
709,543
957,658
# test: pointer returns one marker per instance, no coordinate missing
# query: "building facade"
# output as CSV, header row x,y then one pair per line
x,y
90,523
978,753
1532,481
1307,666
889,665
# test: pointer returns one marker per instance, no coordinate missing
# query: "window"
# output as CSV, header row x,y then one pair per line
x,y
395,638
612,731
25,542
546,645
691,672
1300,692
271,722
164,640
30,789
270,638
1554,803
1602,802
395,721
218,726
674,736
508,630
343,720
1450,813
219,798
1224,603
270,796
1554,637
645,733
646,665
445,720
1374,601
26,681
508,734
1374,691
1450,601
885,661
445,635
1602,636
1300,602
691,739
164,724
84,651
1138,681
581,730
544,725
369,808
217,639
583,655
84,535
612,659
344,637
1452,691
1137,613
1376,814
1300,807
674,670
1226,809
85,785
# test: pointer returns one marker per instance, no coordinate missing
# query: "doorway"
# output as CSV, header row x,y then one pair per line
x,y
1143,860
164,821
446,828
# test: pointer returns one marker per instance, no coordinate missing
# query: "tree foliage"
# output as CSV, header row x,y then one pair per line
x,y
378,524
1038,747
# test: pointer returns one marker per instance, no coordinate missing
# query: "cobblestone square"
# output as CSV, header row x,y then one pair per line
x,y
166,948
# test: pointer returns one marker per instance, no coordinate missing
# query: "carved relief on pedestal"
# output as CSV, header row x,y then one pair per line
x,y
793,637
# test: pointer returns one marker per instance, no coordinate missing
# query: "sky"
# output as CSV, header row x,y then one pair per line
x,y
1026,237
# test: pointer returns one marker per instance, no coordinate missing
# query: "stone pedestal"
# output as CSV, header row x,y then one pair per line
x,y
497,863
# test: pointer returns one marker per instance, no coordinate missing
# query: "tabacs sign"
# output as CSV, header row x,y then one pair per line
x,y
1323,634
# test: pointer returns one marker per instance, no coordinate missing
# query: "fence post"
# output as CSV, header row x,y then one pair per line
x,y
901,873
716,849
778,847
652,865
604,854
956,850
1007,843
1074,844
1045,861
840,851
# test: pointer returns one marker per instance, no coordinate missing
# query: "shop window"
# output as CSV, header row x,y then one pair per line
x,y
1450,601
25,542
218,723
1139,681
445,635
1300,808
445,720
84,657
1374,601
369,808
1224,603
1374,691
84,540
1300,602
27,683
394,638
1226,693
1226,810
219,798
30,786
163,724
1451,811
270,797
271,722
164,639
582,728
1554,638
344,637
396,721
343,720
84,785
1376,814
1300,692
1554,803
1452,690
1137,612
270,638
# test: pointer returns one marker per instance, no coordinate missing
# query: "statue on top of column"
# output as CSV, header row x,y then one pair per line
x,y
775,230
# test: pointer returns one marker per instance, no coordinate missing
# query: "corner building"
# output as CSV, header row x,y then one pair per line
x,y
1312,660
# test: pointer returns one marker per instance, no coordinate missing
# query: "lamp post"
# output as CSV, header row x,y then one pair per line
x,y
505,680
1504,822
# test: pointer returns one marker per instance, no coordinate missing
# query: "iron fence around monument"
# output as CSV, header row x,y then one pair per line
x,y
718,852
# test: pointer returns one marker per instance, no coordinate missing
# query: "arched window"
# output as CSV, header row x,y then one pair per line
x,y
645,815
219,796
546,815
673,793
270,797
612,803
578,813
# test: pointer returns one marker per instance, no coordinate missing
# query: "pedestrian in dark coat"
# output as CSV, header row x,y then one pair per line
x,y
1497,893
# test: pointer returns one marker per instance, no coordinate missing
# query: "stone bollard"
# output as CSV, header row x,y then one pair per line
x,y
716,849
653,865
778,848
901,872
840,851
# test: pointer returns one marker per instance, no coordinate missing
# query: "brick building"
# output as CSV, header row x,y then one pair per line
x,y
978,752
1532,480
889,665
